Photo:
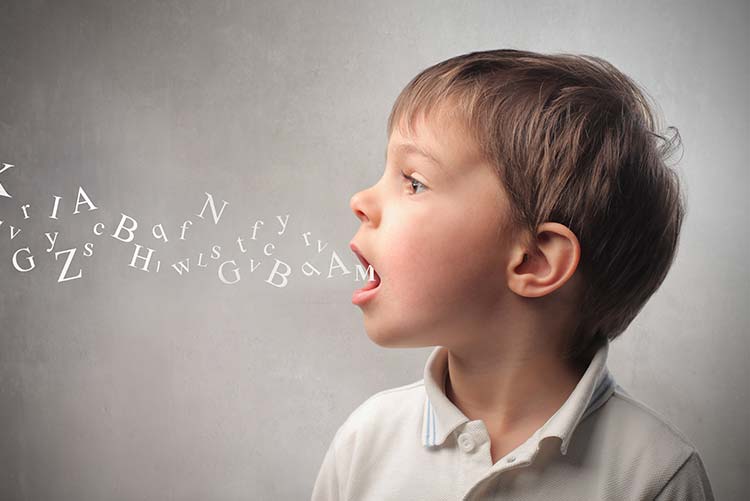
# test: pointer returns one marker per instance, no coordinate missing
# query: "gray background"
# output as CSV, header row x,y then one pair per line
x,y
128,384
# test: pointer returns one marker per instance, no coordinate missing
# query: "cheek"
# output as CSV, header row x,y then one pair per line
x,y
436,264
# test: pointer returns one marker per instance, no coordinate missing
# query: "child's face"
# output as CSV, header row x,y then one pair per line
x,y
437,246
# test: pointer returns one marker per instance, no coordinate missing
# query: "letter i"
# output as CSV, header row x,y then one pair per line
x,y
54,208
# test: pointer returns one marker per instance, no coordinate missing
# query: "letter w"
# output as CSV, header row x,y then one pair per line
x,y
184,266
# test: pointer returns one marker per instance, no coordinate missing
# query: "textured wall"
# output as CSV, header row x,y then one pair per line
x,y
130,384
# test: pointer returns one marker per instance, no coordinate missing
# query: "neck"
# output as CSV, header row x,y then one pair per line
x,y
510,391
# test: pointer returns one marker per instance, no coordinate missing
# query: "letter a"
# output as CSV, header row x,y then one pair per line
x,y
86,200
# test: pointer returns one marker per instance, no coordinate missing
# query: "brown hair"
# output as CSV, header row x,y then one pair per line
x,y
573,140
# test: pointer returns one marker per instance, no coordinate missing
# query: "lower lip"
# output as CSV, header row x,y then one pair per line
x,y
361,296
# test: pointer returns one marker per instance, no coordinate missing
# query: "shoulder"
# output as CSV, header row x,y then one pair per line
x,y
640,448
385,413
640,422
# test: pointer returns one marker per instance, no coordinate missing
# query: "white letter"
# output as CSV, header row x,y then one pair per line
x,y
71,253
283,223
282,275
210,201
265,249
12,234
51,241
88,249
235,270
15,260
121,226
369,270
184,227
183,266
200,258
216,252
312,268
255,228
161,232
82,194
54,208
137,256
96,232
239,242
25,212
4,193
340,265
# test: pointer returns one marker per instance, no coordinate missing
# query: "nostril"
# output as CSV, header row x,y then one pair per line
x,y
356,205
360,215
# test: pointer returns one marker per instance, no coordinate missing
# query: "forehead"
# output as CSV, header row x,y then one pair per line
x,y
437,136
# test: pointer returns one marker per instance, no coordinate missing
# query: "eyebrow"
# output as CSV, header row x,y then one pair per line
x,y
414,149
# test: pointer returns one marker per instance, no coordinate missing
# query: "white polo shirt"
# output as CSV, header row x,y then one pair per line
x,y
411,443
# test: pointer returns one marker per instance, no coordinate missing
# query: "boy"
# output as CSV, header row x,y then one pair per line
x,y
524,217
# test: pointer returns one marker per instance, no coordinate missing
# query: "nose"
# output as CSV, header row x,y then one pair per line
x,y
362,205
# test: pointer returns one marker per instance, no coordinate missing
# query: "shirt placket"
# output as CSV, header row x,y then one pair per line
x,y
488,473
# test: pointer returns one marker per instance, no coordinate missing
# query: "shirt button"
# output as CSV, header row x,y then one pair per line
x,y
511,459
466,442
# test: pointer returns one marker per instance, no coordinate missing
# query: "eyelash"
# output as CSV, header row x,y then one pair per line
x,y
409,178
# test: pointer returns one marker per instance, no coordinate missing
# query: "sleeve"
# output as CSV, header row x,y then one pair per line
x,y
326,486
689,483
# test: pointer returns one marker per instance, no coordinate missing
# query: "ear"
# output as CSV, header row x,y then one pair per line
x,y
538,273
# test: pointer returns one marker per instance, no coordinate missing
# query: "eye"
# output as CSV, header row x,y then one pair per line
x,y
409,178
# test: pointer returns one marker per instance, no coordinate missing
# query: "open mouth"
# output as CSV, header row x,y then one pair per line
x,y
371,283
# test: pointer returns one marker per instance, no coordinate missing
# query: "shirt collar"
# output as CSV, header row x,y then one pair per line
x,y
441,417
